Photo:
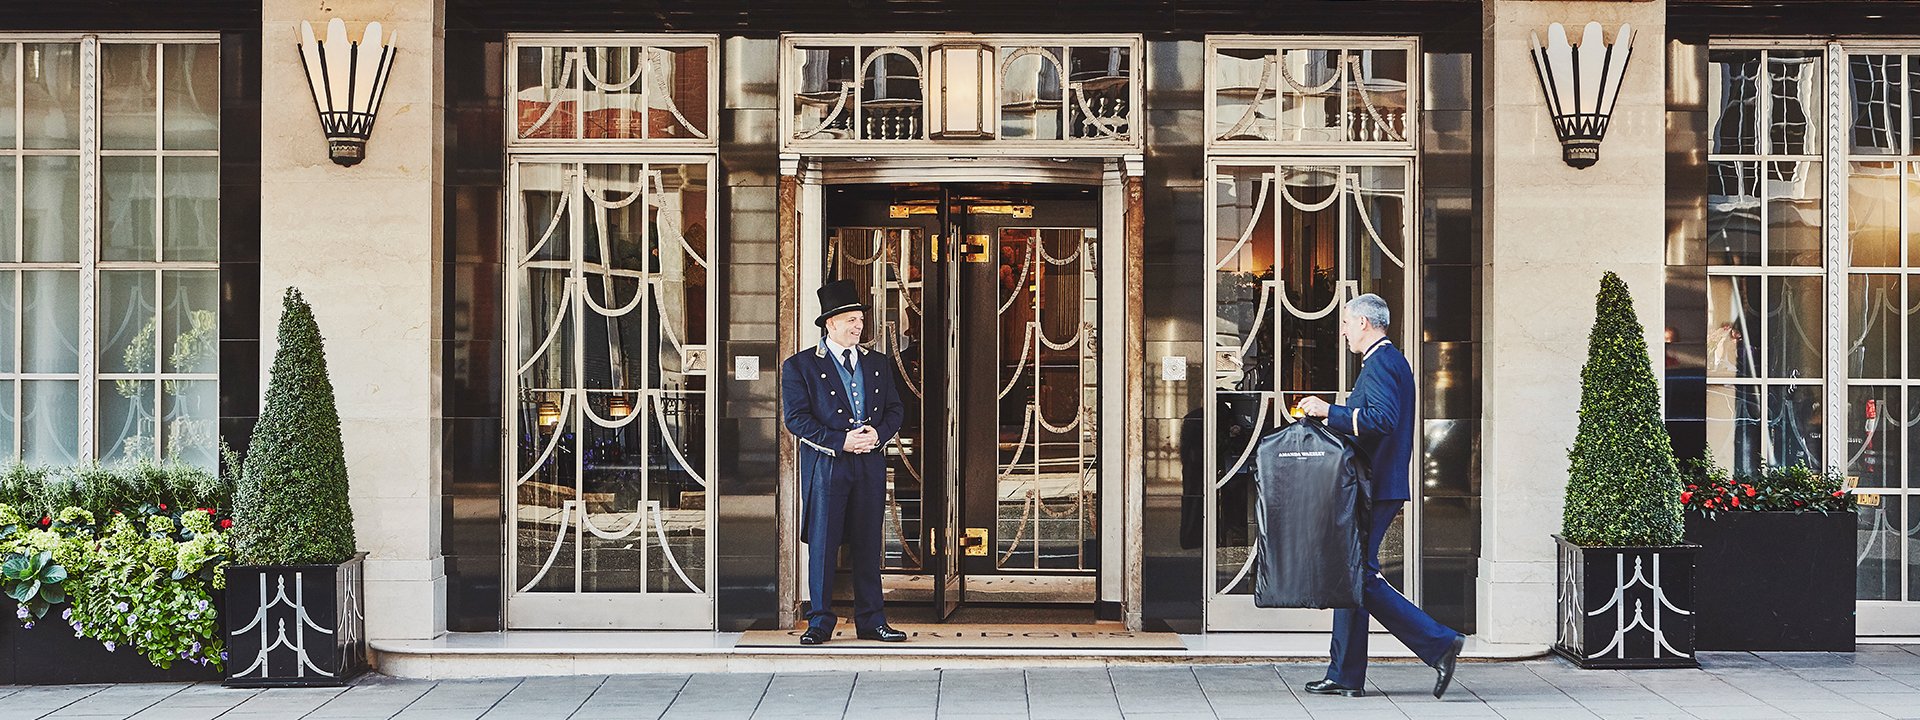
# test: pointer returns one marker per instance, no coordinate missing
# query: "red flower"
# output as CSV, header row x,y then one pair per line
x,y
163,506
45,521
208,511
1736,501
226,523
1693,487
1838,493
1798,503
1686,497
1709,502
1749,490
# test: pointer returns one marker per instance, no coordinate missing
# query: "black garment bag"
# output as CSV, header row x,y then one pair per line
x,y
1312,517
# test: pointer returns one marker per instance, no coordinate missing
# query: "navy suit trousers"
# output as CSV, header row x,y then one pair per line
x,y
849,511
1413,626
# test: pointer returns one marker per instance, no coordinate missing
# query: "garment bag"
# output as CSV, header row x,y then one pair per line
x,y
1312,519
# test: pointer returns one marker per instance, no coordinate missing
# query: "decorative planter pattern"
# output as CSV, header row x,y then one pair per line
x,y
295,625
1626,607
1775,580
50,654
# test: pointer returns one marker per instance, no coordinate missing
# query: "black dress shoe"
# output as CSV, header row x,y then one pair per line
x,y
1446,664
1329,687
882,633
816,636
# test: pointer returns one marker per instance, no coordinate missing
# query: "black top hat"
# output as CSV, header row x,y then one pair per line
x,y
837,297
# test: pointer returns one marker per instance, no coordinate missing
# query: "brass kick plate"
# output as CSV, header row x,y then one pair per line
x,y
975,542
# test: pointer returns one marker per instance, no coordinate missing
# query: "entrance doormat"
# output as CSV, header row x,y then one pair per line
x,y
1022,637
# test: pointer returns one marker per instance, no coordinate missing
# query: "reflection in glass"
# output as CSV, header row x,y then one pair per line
x,y
1032,93
9,328
9,87
1734,425
1733,212
50,322
126,208
1733,326
50,432
192,210
1796,309
50,96
1794,425
1873,214
127,336
190,424
610,475
611,92
126,425
191,76
1874,88
9,239
1049,391
1912,534
1878,549
1733,103
129,96
190,321
1100,84
1797,85
1793,214
1244,94
1874,319
50,208
1876,422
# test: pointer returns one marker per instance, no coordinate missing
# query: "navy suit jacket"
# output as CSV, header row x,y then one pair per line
x,y
1379,414
813,402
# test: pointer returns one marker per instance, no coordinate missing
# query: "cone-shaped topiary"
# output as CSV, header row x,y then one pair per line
x,y
1623,486
291,504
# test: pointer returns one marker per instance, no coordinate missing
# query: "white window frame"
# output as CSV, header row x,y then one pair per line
x,y
89,265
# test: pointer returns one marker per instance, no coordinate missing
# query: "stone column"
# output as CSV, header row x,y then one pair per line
x,y
364,244
1549,232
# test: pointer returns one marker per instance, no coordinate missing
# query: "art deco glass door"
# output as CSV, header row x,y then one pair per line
x,y
1292,242
610,407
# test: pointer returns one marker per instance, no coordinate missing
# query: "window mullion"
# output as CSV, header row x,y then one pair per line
x,y
1838,112
89,239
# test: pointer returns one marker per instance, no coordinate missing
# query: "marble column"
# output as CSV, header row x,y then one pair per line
x,y
1550,232
364,244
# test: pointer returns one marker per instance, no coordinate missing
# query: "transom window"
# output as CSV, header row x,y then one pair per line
x,y
639,91
1275,94
109,248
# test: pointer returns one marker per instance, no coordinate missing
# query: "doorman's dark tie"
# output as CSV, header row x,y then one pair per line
x,y
847,356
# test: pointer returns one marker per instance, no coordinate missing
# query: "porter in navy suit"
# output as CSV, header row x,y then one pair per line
x,y
1380,414
840,400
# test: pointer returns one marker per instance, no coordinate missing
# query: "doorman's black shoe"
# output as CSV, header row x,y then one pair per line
x,y
882,633
1446,664
1329,687
816,636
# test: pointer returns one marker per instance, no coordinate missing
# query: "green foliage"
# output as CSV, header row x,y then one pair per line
x,y
34,581
145,581
102,490
1623,485
291,504
1794,488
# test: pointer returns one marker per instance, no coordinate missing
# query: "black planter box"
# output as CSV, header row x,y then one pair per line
x,y
49,654
1625,607
296,625
1775,580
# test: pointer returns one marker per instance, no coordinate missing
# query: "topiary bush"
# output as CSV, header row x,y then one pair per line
x,y
290,507
1623,485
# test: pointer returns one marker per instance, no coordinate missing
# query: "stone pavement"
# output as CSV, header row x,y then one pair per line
x,y
1879,681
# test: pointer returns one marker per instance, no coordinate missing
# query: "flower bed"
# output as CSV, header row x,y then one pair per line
x,y
131,557
1776,566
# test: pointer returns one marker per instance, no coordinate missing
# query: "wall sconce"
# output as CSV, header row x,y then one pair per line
x,y
957,109
1581,84
619,406
347,79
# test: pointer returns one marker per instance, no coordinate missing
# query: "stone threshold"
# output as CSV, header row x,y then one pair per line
x,y
532,653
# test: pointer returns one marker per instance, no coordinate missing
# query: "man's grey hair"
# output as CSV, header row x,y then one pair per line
x,y
1371,308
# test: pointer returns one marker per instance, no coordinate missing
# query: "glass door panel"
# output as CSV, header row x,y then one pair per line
x,y
610,409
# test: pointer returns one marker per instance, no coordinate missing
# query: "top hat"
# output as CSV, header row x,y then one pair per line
x,y
837,297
